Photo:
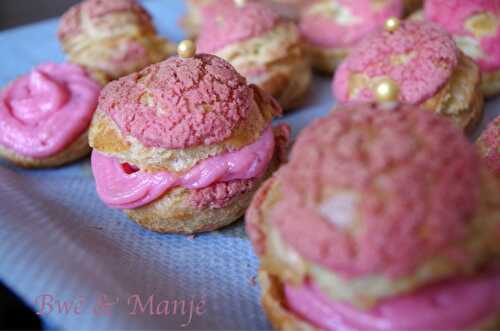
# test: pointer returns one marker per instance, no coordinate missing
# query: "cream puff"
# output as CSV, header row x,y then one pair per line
x,y
489,145
45,115
426,64
192,21
111,38
264,48
475,26
182,145
382,220
331,28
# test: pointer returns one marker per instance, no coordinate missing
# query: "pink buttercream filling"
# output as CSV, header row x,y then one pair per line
x,y
452,16
324,31
45,111
420,57
128,188
225,23
459,304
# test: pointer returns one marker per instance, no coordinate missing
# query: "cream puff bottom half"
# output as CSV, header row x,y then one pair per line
x,y
75,151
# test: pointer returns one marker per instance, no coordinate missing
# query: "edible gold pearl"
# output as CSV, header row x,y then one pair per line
x,y
186,49
387,91
240,3
392,24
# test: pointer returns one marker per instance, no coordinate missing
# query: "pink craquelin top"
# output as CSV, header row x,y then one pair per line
x,y
123,186
452,15
194,101
459,304
225,23
45,111
419,57
406,175
324,30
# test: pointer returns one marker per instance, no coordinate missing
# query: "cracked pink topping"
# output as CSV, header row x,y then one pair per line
x,y
191,102
420,57
225,23
413,177
489,145
438,307
452,16
99,8
368,18
95,9
43,112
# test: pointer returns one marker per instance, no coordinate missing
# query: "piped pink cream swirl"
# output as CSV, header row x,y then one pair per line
x,y
45,111
459,304
122,186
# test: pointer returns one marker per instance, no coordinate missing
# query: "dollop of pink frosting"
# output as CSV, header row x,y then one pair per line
x,y
225,23
126,187
414,179
324,31
219,195
428,57
452,16
45,111
71,21
489,144
192,101
459,304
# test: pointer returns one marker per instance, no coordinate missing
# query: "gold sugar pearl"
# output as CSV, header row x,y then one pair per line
x,y
186,49
387,91
392,24
240,3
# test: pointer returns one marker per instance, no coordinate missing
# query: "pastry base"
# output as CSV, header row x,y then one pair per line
x,y
77,150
